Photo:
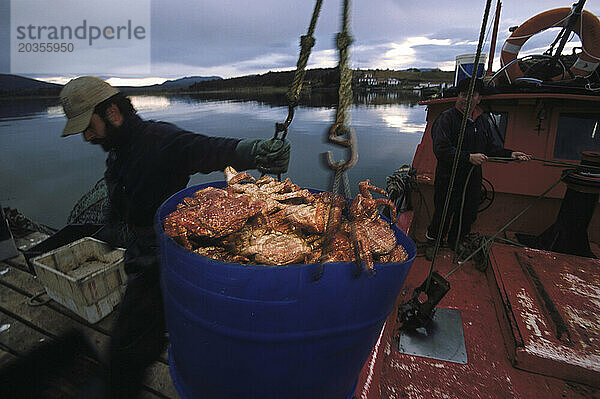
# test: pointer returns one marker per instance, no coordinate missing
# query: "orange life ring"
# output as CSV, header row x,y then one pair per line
x,y
587,28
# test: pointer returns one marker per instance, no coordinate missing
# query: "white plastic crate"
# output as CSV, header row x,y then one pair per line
x,y
86,276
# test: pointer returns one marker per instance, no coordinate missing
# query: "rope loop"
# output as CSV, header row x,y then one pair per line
x,y
343,40
293,100
335,136
293,95
36,301
307,42
283,126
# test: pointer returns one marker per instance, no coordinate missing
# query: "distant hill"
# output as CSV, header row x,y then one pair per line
x,y
187,81
15,82
14,85
176,84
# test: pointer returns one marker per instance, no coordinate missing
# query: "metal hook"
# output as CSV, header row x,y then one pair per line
x,y
334,136
283,127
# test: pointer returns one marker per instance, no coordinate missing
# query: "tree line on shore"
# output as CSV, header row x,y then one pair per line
x,y
327,78
315,79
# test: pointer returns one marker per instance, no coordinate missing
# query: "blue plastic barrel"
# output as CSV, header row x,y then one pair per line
x,y
270,332
465,63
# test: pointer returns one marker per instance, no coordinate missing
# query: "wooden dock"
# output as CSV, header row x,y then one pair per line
x,y
29,320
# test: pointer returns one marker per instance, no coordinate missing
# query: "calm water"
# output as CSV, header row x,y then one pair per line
x,y
43,175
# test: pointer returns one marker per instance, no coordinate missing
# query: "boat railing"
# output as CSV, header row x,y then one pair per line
x,y
526,58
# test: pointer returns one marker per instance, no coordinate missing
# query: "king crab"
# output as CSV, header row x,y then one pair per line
x,y
273,222
210,213
273,192
272,242
322,214
368,232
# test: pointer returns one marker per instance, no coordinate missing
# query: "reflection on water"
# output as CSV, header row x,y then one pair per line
x,y
55,111
315,98
400,118
384,97
24,108
150,103
43,175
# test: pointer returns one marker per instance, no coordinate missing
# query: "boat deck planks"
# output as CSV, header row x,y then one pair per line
x,y
31,326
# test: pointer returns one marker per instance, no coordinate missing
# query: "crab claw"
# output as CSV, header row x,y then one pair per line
x,y
365,187
386,202
232,176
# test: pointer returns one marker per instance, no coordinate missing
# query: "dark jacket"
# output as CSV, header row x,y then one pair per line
x,y
154,160
478,139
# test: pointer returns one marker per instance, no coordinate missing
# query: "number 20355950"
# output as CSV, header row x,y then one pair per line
x,y
45,47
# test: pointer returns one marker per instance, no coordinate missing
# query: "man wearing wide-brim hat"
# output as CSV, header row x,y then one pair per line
x,y
148,162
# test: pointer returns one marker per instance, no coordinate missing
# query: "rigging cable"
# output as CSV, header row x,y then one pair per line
x,y
340,128
487,242
460,142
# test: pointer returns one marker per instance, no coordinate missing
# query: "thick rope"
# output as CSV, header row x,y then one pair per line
x,y
462,207
460,142
306,44
340,127
344,40
342,118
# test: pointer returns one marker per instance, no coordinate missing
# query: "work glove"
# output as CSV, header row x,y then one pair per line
x,y
267,156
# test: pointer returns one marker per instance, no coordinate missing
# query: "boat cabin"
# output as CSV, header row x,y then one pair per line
x,y
550,126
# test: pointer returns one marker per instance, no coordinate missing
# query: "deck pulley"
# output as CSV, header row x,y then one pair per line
x,y
419,310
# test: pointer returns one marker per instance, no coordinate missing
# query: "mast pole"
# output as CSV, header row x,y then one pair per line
x,y
568,28
494,38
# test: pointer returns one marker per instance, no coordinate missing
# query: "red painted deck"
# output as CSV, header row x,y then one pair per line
x,y
489,372
552,327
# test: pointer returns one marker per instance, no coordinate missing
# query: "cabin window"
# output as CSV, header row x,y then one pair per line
x,y
498,125
577,133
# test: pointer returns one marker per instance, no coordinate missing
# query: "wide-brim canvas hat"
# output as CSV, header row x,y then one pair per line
x,y
79,97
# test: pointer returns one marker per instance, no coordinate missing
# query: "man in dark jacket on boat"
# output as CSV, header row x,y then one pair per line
x,y
148,162
478,144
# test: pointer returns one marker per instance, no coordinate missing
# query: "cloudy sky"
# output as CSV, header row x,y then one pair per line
x,y
233,37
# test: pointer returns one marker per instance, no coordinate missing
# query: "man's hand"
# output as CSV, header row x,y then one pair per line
x,y
273,156
520,156
477,158
270,156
